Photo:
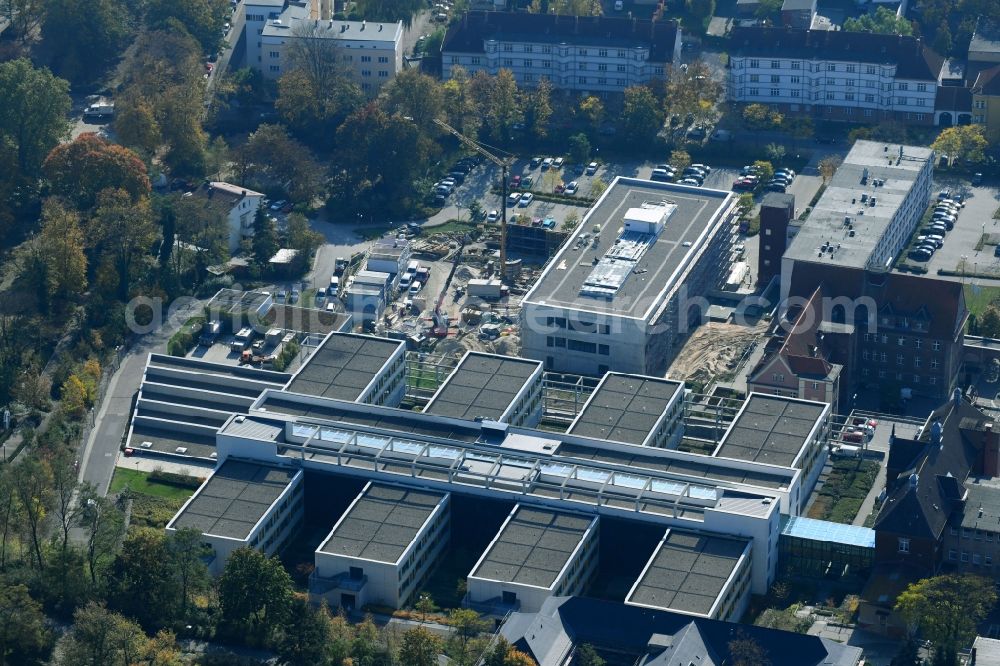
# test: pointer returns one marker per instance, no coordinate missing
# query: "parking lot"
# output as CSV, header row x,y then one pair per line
x,y
959,254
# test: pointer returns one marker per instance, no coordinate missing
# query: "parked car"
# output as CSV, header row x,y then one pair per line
x,y
558,162
702,167
661,175
591,169
775,186
920,254
513,198
526,199
278,205
515,182
535,162
691,181
697,133
932,239
493,216
572,188
977,179
787,171
546,163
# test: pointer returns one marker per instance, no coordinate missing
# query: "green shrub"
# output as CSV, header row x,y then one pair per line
x,y
174,479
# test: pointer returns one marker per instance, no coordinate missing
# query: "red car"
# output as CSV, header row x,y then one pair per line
x,y
209,67
745,183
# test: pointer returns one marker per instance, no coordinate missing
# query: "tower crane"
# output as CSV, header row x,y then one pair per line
x,y
504,164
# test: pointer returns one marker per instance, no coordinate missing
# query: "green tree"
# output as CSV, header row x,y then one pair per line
x,y
143,586
32,480
700,9
694,91
775,152
828,166
502,653
255,592
680,159
769,9
102,638
966,143
282,160
883,21
989,322
764,169
942,39
265,238
597,187
760,117
579,148
383,155
136,124
946,609
61,244
414,95
587,656
23,634
84,36
501,109
125,232
538,109
745,204
592,109
185,553
420,648
307,637
105,526
34,108
425,606
202,18
642,116
467,625
23,16
81,169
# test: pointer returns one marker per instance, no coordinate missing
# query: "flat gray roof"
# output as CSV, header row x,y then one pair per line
x,y
770,429
234,499
704,470
236,300
399,420
266,378
482,385
625,408
688,572
343,366
644,287
533,547
842,198
382,522
165,440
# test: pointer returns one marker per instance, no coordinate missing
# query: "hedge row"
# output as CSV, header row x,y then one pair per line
x,y
174,479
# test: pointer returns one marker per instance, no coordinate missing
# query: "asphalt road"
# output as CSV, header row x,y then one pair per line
x,y
97,462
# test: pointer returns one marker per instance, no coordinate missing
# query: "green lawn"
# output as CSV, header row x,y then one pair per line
x,y
138,482
977,302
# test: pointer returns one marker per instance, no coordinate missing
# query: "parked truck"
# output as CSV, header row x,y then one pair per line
x,y
99,110
486,289
209,332
242,340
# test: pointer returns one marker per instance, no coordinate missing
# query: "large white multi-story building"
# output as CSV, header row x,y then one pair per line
x,y
371,52
594,54
629,284
835,75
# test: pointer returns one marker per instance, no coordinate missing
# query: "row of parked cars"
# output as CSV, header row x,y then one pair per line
x,y
943,220
456,176
750,177
691,175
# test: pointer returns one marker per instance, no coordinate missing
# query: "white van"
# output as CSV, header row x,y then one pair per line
x,y
411,268
334,285
415,288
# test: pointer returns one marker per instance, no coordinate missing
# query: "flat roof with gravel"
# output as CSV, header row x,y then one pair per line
x,y
771,429
625,408
688,572
533,547
482,385
343,366
382,522
234,499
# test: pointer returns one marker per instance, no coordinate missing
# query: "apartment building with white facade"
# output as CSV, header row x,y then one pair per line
x,y
593,54
371,52
257,13
835,75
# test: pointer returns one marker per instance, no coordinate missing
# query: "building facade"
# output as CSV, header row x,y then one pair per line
x,y
236,205
835,75
624,293
592,54
986,101
371,52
